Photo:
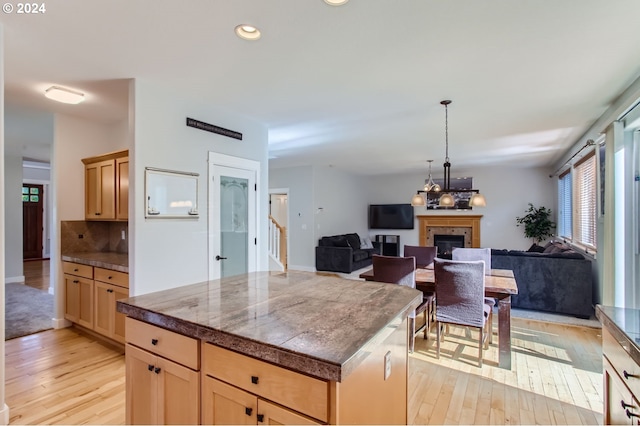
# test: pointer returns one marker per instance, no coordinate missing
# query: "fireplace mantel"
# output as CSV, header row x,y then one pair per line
x,y
450,221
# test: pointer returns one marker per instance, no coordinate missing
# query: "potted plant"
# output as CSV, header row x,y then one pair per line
x,y
537,223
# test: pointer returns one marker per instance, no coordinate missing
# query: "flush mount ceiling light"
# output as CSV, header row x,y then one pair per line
x,y
248,32
446,199
64,95
335,2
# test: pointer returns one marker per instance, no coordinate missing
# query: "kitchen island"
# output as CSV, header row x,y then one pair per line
x,y
296,347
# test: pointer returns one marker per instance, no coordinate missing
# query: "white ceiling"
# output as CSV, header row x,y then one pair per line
x,y
357,86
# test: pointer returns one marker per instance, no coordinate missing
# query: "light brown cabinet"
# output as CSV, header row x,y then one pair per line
x,y
78,286
109,287
225,404
160,390
107,186
304,395
90,298
621,380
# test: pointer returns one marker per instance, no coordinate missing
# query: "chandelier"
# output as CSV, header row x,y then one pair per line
x,y
446,199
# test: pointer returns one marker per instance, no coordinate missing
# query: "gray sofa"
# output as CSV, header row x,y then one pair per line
x,y
344,253
558,282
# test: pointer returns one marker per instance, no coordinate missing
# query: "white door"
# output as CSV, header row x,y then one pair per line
x,y
232,215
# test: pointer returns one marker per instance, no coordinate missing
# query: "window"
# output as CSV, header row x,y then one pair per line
x,y
564,205
577,207
585,201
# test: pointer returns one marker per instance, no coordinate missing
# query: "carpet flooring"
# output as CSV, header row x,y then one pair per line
x,y
27,310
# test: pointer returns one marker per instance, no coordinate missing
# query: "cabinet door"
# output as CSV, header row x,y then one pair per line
x,y
223,404
271,414
118,320
178,394
104,307
141,387
85,297
71,297
100,195
122,188
618,399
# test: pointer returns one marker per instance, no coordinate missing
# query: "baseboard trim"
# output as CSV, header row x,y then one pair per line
x,y
301,268
4,415
58,323
19,279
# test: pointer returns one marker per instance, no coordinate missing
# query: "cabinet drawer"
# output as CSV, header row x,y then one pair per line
x,y
78,269
621,361
167,344
112,277
293,390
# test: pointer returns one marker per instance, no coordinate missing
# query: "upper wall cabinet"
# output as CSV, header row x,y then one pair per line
x,y
107,186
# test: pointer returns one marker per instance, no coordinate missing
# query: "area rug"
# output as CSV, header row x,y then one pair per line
x,y
27,310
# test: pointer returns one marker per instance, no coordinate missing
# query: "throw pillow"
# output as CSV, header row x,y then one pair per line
x,y
366,243
535,248
340,241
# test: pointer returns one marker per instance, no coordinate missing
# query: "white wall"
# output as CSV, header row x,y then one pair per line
x,y
344,199
74,139
302,241
507,191
14,271
168,253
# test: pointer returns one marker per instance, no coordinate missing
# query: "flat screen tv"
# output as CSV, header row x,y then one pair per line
x,y
390,216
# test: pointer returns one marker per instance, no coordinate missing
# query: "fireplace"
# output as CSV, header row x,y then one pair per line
x,y
446,244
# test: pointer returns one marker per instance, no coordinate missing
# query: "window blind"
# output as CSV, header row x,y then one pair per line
x,y
585,201
564,205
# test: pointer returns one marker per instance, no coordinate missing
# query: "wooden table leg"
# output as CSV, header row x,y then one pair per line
x,y
504,332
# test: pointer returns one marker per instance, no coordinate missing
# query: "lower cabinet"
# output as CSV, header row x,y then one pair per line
x,y
160,391
224,404
90,298
78,305
621,380
620,403
161,387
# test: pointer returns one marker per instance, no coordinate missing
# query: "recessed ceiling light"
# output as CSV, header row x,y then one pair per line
x,y
247,32
64,95
336,2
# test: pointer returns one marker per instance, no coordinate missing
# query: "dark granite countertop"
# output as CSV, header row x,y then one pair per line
x,y
107,260
320,325
624,326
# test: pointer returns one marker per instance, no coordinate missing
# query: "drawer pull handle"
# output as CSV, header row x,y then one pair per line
x,y
109,291
260,418
248,411
254,380
150,367
624,404
75,270
109,277
76,281
157,370
630,414
97,214
154,342
627,375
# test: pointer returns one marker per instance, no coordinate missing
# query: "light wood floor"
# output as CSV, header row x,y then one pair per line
x,y
63,377
36,273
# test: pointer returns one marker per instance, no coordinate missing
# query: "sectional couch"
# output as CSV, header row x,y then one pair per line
x,y
553,279
345,253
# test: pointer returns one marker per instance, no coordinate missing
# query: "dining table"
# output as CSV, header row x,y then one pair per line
x,y
499,284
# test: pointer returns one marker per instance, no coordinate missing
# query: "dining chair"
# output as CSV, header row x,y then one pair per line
x,y
400,270
460,297
483,254
424,256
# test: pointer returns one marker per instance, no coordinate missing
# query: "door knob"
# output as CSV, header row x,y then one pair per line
x,y
218,257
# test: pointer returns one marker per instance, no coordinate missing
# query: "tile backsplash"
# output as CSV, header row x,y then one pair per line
x,y
79,236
